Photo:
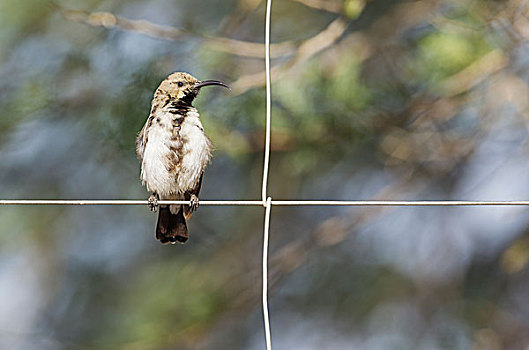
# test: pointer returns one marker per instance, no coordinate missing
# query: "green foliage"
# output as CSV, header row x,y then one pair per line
x,y
160,314
18,18
353,8
443,54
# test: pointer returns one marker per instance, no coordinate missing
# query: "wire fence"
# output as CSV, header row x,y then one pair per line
x,y
258,203
266,201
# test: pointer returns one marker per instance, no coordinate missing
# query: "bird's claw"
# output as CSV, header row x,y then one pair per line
x,y
153,203
193,202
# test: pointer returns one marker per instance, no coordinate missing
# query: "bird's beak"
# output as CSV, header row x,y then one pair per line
x,y
203,83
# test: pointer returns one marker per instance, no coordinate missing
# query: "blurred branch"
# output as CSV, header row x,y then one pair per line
x,y
109,20
299,52
235,47
249,49
325,5
307,49
472,75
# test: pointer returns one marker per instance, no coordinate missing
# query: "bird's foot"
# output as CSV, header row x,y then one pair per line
x,y
153,202
193,203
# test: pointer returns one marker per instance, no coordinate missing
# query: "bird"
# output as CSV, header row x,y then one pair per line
x,y
174,150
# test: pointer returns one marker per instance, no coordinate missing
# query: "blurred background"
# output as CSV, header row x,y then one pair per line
x,y
372,99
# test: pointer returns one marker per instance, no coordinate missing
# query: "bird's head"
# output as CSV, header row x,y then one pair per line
x,y
182,87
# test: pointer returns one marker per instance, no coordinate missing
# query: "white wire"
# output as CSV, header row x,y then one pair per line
x,y
119,202
268,102
268,203
392,203
266,315
368,203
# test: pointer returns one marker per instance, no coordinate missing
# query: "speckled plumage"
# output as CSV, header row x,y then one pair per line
x,y
174,151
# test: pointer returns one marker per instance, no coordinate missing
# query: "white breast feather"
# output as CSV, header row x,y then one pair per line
x,y
196,154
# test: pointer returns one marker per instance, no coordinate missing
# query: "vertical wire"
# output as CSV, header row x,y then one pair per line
x,y
268,101
267,202
266,315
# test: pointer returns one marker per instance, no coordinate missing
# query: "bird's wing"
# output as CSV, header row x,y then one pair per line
x,y
140,142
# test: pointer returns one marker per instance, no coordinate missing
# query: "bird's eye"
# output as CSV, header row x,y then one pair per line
x,y
180,84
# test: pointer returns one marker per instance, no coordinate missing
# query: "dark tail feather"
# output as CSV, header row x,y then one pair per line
x,y
171,228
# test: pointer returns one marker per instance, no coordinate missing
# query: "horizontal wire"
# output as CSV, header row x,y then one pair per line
x,y
393,203
119,202
353,203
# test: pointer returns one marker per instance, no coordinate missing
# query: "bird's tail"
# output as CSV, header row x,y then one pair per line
x,y
171,228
